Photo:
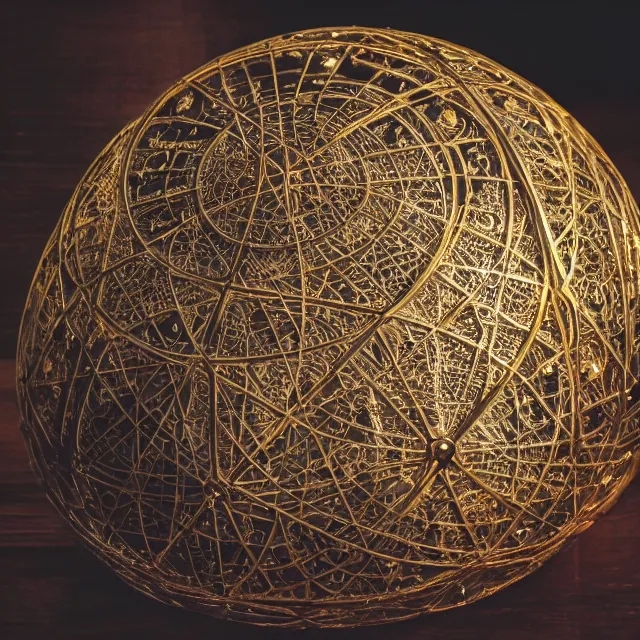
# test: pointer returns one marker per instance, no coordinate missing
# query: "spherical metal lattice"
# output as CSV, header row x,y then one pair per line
x,y
344,328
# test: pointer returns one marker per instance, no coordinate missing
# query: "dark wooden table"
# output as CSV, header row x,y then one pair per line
x,y
72,74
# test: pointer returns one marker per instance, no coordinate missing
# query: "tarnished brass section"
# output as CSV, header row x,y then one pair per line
x,y
343,329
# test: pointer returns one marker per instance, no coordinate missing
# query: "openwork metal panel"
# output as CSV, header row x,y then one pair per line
x,y
344,328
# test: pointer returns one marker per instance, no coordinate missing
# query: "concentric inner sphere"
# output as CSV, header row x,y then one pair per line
x,y
343,329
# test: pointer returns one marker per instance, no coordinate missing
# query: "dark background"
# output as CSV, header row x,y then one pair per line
x,y
73,73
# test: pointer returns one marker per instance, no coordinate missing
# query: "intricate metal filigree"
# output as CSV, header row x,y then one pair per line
x,y
343,329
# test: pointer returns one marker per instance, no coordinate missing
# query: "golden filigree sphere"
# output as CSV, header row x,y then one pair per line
x,y
344,328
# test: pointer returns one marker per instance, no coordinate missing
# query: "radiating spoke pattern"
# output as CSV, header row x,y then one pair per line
x,y
345,328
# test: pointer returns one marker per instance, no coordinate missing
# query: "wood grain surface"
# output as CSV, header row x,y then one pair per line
x,y
73,74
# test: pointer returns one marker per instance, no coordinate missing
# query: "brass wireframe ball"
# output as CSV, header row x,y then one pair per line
x,y
343,329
